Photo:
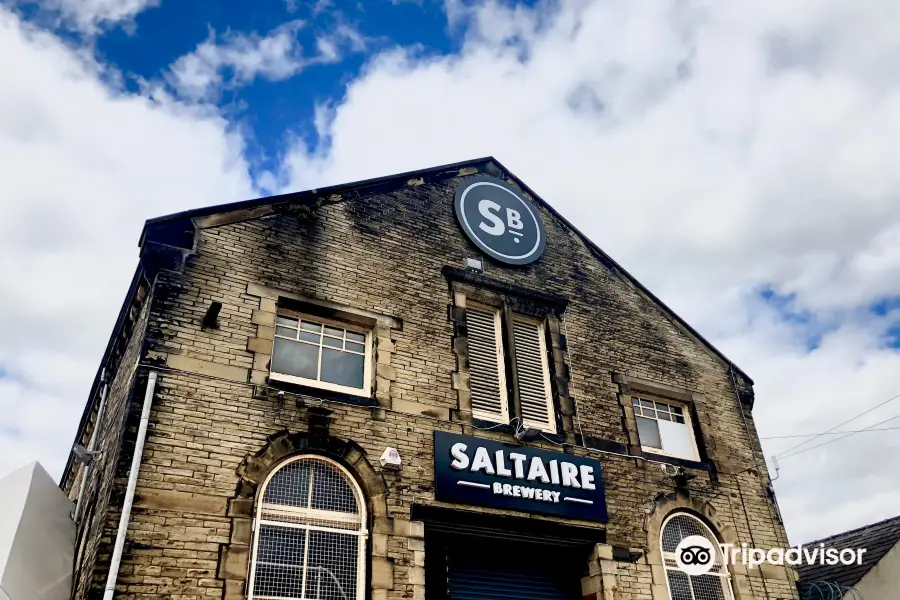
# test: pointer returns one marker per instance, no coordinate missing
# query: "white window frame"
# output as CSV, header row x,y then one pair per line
x,y
362,533
501,366
365,391
685,412
724,574
548,426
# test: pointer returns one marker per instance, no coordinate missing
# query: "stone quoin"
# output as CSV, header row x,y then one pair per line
x,y
344,408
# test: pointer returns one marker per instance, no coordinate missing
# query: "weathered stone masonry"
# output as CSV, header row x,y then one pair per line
x,y
390,255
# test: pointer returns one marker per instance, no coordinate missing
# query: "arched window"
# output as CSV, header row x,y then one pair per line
x,y
714,585
310,534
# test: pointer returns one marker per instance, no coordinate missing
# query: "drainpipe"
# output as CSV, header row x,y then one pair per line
x,y
129,491
86,472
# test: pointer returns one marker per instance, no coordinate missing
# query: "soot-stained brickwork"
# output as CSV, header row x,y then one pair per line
x,y
389,254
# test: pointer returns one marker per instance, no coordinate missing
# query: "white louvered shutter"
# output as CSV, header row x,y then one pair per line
x,y
487,382
533,375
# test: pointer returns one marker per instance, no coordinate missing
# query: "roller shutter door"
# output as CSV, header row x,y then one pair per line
x,y
479,571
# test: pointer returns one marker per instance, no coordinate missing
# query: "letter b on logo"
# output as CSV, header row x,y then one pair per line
x,y
514,219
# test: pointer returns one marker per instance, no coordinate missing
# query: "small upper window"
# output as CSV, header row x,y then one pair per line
x,y
665,428
321,353
488,366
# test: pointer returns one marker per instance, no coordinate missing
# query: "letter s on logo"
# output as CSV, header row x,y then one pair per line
x,y
460,460
485,207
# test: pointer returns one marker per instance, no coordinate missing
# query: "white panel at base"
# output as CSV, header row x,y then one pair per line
x,y
37,537
677,440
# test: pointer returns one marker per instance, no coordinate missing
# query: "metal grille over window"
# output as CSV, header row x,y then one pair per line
x,y
310,534
714,585
533,374
486,379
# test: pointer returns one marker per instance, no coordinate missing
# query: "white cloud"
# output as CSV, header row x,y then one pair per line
x,y
711,148
92,16
333,44
316,7
84,166
275,56
237,59
714,149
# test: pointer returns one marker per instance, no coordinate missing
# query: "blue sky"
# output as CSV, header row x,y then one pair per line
x,y
272,110
738,158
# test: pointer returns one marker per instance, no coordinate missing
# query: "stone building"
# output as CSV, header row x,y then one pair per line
x,y
558,429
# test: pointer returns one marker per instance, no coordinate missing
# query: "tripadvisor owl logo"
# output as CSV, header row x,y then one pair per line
x,y
695,555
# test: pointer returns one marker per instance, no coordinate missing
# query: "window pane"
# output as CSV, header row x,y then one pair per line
x,y
661,406
294,358
332,566
679,585
676,409
678,440
290,485
287,322
648,432
291,333
308,326
279,562
355,337
646,404
708,587
333,342
635,401
342,368
334,331
356,347
310,337
679,419
680,527
331,491
664,416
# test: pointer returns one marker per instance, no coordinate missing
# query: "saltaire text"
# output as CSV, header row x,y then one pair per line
x,y
518,466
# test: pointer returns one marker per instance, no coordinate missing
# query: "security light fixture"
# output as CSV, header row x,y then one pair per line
x,y
390,459
475,264
84,455
527,434
671,470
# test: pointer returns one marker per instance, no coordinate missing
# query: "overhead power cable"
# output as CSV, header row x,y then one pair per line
x,y
792,448
800,435
840,438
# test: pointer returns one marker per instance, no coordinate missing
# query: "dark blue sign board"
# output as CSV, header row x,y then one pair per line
x,y
480,472
501,222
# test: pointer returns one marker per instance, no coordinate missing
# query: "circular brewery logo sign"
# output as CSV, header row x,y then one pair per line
x,y
499,220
